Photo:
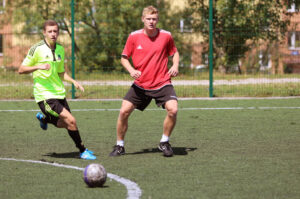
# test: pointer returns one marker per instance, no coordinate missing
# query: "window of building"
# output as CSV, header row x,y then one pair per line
x,y
2,5
30,28
1,45
185,25
294,40
293,5
264,60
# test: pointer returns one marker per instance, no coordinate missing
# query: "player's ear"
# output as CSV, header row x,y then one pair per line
x,y
58,29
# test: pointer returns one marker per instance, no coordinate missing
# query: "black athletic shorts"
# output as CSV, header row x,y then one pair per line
x,y
52,108
141,98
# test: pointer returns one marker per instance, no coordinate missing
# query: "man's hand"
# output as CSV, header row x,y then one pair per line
x,y
173,71
135,74
126,64
44,66
78,86
66,77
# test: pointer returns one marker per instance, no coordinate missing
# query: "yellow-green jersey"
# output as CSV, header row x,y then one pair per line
x,y
47,83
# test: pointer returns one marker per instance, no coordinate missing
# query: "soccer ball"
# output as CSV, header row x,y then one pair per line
x,y
94,175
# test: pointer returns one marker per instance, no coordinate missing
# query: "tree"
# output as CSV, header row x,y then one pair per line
x,y
102,26
235,23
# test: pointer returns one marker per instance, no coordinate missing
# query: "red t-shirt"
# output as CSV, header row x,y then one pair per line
x,y
150,56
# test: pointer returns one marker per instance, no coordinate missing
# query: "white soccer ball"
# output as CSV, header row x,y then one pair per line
x,y
94,175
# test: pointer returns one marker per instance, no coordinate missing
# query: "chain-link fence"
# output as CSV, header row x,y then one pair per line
x,y
255,45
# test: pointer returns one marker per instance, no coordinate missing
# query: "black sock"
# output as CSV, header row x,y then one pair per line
x,y
45,120
77,140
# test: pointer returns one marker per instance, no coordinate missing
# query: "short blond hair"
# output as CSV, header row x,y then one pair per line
x,y
150,10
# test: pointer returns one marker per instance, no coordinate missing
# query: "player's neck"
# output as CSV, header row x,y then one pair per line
x,y
50,44
151,33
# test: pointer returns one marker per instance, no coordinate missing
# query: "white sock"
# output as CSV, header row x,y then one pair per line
x,y
120,142
164,138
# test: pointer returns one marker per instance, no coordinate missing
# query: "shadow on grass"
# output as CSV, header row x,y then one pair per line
x,y
176,150
103,187
63,155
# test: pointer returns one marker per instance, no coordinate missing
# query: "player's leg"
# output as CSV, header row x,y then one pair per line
x,y
122,126
58,113
171,107
167,98
122,123
169,124
68,121
135,98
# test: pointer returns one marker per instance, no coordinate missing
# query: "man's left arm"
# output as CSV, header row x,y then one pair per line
x,y
173,71
66,77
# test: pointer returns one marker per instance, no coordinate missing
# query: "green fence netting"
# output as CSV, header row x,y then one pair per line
x,y
256,45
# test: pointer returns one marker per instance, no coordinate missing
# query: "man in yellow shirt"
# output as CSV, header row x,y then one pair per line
x,y
46,61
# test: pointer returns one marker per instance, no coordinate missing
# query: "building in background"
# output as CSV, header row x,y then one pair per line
x,y
199,57
14,45
291,48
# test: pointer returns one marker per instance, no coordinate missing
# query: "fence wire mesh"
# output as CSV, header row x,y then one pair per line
x,y
256,45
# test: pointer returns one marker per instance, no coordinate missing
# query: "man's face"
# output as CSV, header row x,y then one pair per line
x,y
150,21
51,34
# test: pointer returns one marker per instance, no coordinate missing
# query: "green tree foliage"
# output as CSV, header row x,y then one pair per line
x,y
102,26
235,23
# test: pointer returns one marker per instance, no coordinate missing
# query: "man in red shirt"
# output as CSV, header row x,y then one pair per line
x,y
149,49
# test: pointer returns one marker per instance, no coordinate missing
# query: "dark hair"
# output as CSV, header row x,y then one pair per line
x,y
50,23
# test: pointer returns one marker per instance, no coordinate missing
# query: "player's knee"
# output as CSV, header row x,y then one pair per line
x,y
72,123
172,112
124,113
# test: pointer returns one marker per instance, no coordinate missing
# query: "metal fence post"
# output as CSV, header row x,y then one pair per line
x,y
211,93
73,47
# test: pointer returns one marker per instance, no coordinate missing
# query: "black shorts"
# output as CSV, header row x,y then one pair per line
x,y
141,98
52,108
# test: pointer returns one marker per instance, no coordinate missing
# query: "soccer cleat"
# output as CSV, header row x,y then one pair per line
x,y
166,148
40,117
91,152
117,151
86,155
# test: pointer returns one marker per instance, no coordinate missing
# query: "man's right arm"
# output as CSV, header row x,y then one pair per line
x,y
126,64
29,69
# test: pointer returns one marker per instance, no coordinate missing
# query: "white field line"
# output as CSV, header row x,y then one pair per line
x,y
180,109
133,190
180,99
179,82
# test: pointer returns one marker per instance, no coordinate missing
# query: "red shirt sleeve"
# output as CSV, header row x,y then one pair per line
x,y
127,51
171,47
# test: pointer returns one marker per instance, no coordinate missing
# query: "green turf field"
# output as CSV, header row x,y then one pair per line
x,y
223,149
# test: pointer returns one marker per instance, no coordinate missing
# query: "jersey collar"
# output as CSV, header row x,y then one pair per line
x,y
49,46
